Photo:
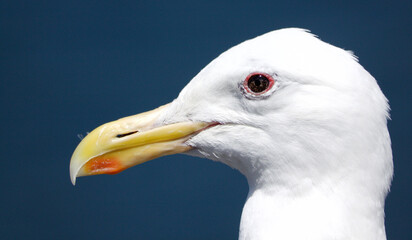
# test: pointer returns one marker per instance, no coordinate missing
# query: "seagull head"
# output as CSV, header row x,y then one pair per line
x,y
289,111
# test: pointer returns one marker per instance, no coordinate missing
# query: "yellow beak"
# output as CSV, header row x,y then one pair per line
x,y
118,145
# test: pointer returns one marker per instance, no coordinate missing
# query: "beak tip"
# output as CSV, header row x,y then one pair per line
x,y
73,181
73,176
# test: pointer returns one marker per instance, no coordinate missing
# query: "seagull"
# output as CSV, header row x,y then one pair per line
x,y
301,119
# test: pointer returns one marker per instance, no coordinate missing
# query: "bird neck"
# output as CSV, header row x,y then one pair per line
x,y
308,211
318,189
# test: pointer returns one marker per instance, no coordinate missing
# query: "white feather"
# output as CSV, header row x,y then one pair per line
x,y
316,151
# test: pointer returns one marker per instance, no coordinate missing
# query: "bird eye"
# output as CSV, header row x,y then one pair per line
x,y
258,83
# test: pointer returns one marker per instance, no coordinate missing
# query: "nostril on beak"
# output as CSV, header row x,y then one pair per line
x,y
126,134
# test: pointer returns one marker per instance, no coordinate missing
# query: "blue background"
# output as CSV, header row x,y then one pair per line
x,y
69,66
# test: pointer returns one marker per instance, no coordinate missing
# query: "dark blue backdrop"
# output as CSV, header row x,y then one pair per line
x,y
68,66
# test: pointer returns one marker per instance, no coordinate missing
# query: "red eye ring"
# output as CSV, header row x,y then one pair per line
x,y
258,83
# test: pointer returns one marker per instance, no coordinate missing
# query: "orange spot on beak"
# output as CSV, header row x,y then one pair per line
x,y
103,165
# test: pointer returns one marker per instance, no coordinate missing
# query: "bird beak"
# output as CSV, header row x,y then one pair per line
x,y
118,145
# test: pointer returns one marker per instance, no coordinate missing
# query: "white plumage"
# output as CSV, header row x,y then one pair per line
x,y
315,151
301,119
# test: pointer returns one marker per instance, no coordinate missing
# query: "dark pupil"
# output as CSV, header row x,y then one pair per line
x,y
258,83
